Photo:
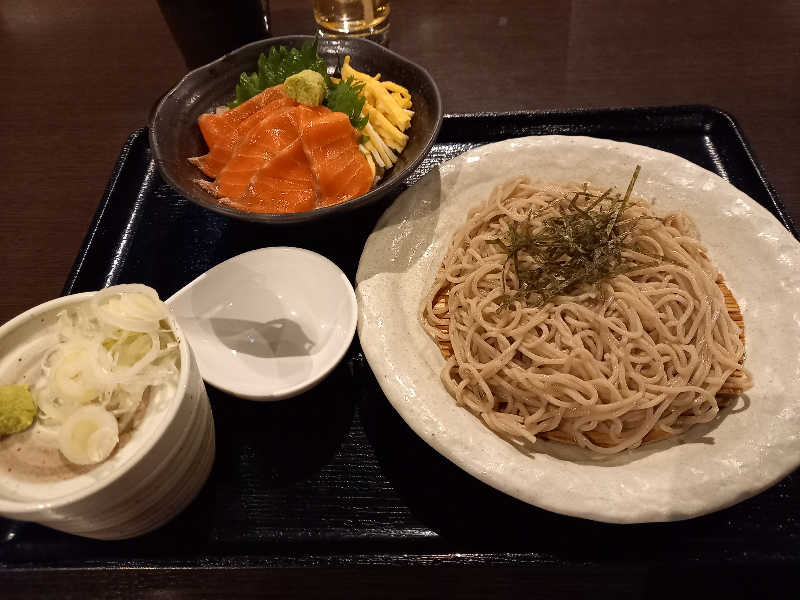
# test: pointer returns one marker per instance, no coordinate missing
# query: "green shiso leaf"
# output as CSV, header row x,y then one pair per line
x,y
346,97
275,67
282,62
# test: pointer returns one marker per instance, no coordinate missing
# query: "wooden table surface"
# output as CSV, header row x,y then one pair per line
x,y
80,77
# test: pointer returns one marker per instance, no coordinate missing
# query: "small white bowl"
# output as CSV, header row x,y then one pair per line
x,y
147,481
268,324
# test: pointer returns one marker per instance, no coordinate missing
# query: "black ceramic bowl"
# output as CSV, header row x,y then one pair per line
x,y
175,136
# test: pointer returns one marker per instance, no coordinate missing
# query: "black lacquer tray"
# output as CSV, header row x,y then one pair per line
x,y
331,491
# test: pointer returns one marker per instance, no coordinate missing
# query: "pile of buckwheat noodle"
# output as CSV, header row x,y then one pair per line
x,y
602,366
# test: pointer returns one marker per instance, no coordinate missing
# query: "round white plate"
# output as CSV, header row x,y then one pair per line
x,y
750,447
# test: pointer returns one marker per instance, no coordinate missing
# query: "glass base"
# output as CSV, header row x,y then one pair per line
x,y
379,35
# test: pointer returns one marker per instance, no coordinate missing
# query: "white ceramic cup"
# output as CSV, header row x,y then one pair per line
x,y
149,479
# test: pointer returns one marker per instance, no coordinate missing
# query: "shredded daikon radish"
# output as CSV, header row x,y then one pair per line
x,y
111,350
370,161
387,156
376,156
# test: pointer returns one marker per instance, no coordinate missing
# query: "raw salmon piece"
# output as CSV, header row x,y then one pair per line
x,y
306,114
284,184
265,140
217,129
341,171
212,163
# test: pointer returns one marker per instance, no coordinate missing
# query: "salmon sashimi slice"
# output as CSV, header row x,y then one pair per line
x,y
341,171
276,156
263,142
220,153
218,128
306,114
285,184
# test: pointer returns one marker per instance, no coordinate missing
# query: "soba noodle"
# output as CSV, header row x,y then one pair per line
x,y
640,356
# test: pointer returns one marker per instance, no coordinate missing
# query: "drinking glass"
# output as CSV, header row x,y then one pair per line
x,y
353,18
206,29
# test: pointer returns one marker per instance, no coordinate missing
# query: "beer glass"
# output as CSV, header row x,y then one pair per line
x,y
353,18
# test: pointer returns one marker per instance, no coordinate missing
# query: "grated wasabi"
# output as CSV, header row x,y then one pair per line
x,y
307,87
17,409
